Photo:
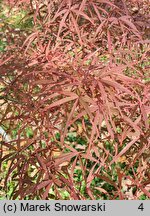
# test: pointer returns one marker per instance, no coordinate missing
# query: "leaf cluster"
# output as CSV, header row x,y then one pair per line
x,y
75,99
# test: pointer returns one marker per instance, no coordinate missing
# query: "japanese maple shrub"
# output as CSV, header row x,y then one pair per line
x,y
75,98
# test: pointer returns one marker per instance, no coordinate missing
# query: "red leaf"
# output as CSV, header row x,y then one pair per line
x,y
61,101
124,150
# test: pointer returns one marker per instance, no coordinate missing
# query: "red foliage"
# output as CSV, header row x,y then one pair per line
x,y
83,68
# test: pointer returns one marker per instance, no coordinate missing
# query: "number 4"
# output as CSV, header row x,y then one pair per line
x,y
141,207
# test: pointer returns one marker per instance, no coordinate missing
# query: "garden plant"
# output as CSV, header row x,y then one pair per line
x,y
75,99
